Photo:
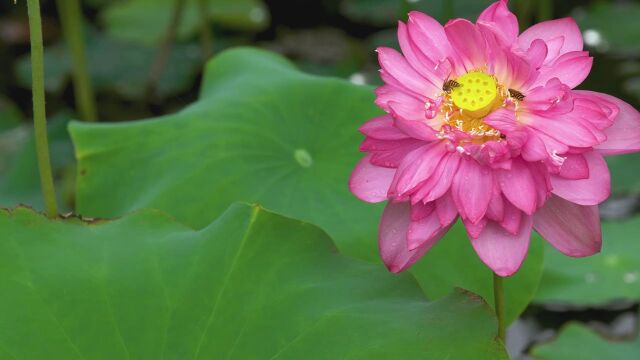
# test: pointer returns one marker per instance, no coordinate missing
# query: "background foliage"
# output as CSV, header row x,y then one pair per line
x,y
186,271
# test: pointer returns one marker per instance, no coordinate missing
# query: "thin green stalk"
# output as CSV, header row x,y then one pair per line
x,y
205,29
162,57
545,10
39,114
498,295
72,22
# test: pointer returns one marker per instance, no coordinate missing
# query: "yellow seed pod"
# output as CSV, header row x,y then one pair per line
x,y
476,93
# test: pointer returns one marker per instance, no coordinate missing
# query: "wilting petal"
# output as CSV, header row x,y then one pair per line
x,y
624,135
563,34
504,20
392,238
471,189
572,229
468,42
519,187
382,128
370,183
591,191
501,251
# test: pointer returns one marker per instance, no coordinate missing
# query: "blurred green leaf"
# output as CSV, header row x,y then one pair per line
x,y
146,21
376,12
19,179
322,51
611,275
262,132
251,285
118,66
10,114
453,262
388,12
625,173
99,3
611,26
578,342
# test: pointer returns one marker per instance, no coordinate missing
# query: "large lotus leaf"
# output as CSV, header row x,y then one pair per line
x,y
577,342
118,66
251,285
19,177
611,275
146,21
261,132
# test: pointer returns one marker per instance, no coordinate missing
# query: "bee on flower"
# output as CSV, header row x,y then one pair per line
x,y
483,124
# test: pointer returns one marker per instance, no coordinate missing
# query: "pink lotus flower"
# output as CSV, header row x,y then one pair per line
x,y
483,124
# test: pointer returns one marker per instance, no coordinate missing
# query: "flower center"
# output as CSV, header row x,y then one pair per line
x,y
468,99
476,93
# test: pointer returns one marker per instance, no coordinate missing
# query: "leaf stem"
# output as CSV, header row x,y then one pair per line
x,y
72,26
164,51
39,113
498,295
205,29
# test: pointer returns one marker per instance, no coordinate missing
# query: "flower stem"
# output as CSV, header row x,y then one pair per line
x,y
72,21
205,29
498,295
39,114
